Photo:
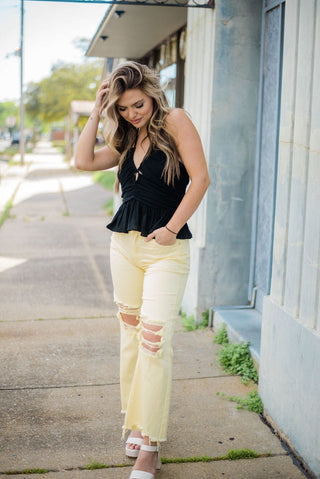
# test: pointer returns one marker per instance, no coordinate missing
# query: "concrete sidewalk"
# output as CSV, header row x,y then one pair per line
x,y
59,342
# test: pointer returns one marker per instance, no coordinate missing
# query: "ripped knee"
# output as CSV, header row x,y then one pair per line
x,y
129,316
152,337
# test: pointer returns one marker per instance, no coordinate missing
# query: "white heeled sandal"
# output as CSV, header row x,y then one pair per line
x,y
136,474
133,440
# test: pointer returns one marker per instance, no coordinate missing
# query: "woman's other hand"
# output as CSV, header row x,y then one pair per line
x,y
162,236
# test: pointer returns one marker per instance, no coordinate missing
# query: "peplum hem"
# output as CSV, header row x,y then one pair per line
x,y
133,215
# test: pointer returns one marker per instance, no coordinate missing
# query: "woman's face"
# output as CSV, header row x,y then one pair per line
x,y
135,107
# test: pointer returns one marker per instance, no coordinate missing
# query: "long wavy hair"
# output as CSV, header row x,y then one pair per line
x,y
120,135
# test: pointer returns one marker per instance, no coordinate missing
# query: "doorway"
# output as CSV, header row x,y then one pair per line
x,y
265,181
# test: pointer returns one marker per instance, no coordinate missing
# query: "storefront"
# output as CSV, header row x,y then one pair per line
x,y
154,35
255,246
187,47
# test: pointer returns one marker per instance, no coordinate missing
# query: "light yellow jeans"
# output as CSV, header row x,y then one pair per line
x,y
149,281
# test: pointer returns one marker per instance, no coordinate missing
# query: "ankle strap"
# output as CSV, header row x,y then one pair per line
x,y
144,447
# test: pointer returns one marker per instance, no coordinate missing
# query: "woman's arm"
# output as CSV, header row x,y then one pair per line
x,y
86,158
191,153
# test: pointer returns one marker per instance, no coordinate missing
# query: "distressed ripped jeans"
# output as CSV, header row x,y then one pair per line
x,y
149,281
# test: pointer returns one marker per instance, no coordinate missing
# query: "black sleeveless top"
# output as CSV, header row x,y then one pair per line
x,y
148,202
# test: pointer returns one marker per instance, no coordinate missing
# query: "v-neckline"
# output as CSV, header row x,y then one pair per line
x,y
143,158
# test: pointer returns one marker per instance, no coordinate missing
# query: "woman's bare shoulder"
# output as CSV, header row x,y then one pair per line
x,y
176,115
179,123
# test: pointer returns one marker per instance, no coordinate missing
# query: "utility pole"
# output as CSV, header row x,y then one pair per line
x,y
22,139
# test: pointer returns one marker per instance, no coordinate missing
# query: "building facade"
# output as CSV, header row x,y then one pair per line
x,y
248,72
290,337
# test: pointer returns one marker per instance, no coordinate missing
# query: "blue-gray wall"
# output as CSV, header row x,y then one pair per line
x,y
224,262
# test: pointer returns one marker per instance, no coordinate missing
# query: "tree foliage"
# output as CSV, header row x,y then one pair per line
x,y
49,100
7,108
81,43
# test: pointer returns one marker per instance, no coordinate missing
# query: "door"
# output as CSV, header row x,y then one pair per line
x,y
267,150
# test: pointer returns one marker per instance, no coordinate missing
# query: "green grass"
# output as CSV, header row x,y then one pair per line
x,y
6,214
108,206
232,455
9,153
96,465
60,145
105,178
101,465
27,471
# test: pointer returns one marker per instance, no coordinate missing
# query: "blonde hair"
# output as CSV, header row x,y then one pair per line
x,y
120,135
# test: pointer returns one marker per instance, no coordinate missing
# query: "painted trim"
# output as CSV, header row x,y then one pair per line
x,y
279,92
254,229
270,4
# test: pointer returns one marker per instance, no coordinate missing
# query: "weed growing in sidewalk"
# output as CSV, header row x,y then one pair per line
x,y
236,358
96,465
190,324
252,402
205,319
27,471
235,454
222,336
232,455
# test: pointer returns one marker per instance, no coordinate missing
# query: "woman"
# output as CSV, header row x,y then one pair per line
x,y
157,151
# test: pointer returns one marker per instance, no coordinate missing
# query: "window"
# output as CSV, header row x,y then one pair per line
x,y
168,60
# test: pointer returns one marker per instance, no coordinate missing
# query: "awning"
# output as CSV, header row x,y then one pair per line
x,y
130,31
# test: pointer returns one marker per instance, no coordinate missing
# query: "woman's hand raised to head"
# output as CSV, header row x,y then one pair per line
x,y
102,93
86,157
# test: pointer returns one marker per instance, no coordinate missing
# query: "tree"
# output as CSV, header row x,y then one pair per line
x,y
49,100
81,43
7,109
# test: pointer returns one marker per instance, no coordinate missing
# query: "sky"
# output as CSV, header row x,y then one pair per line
x,y
49,29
